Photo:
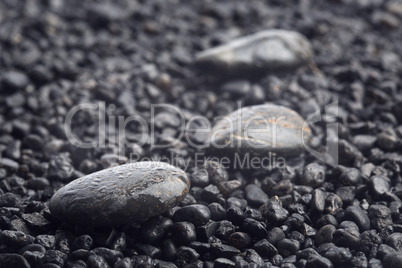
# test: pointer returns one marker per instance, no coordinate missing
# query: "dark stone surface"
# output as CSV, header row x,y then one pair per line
x,y
121,194
197,214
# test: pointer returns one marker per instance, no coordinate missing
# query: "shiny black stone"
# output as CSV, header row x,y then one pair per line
x,y
120,194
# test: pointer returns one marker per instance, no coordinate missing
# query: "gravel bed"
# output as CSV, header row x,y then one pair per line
x,y
108,68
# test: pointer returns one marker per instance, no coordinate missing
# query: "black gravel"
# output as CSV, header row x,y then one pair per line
x,y
128,55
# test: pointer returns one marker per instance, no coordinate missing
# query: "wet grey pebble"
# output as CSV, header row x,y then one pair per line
x,y
375,263
368,240
9,200
237,202
13,260
252,257
358,216
227,187
275,235
169,249
183,233
337,255
110,255
224,263
208,231
394,240
255,96
197,214
255,195
347,237
253,214
82,242
148,250
225,229
199,178
34,257
32,248
333,203
9,164
393,260
287,247
324,235
346,193
60,168
265,248
15,239
210,193
123,263
47,241
36,221
319,261
97,261
217,173
121,194
155,229
318,200
187,254
77,264
313,175
200,247
273,212
55,257
380,216
262,131
240,240
218,212
236,88
255,228
379,185
351,176
13,80
224,251
235,215
359,260
259,53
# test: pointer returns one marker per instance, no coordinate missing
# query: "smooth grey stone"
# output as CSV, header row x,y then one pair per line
x,y
256,54
121,194
257,131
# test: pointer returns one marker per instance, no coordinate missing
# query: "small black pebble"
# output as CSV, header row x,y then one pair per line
x,y
82,242
394,240
255,228
393,260
224,263
240,240
265,248
255,195
287,247
218,212
380,216
183,233
358,216
313,175
197,214
187,254
224,251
